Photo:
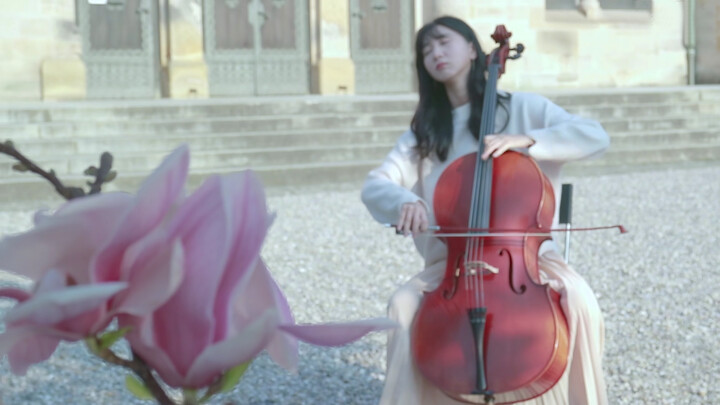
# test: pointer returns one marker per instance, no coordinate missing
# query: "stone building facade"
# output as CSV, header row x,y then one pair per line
x,y
144,49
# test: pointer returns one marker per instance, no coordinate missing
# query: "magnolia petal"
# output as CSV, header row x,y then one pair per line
x,y
97,206
153,201
31,350
152,279
76,320
337,334
27,345
68,239
53,280
15,294
169,177
259,293
201,225
218,358
56,306
262,292
244,204
283,349
141,339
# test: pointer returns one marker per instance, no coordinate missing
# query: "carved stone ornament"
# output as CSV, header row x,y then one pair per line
x,y
116,5
257,70
232,3
590,8
379,6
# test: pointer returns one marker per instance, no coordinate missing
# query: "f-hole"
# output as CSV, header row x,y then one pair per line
x,y
511,274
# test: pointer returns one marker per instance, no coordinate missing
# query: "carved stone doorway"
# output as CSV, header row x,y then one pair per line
x,y
120,48
257,47
381,34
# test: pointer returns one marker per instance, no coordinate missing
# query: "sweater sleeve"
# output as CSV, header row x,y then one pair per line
x,y
559,135
388,186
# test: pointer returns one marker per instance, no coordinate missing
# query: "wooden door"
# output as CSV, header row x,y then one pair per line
x,y
381,35
120,48
257,47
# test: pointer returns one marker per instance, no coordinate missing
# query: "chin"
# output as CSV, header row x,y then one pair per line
x,y
441,77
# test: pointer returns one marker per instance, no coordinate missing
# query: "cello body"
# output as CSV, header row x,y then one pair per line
x,y
525,338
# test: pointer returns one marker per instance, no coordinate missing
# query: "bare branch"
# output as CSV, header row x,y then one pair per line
x,y
137,365
27,165
103,174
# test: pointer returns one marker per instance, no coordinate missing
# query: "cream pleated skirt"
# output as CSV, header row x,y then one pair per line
x,y
582,382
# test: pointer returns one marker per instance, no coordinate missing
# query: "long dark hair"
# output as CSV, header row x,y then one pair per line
x,y
432,123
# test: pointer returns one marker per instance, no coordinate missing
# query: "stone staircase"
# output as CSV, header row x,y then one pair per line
x,y
313,140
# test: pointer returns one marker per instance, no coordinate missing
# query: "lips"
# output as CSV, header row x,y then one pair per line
x,y
440,66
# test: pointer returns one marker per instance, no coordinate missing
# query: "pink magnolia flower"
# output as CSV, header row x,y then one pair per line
x,y
227,308
78,290
184,273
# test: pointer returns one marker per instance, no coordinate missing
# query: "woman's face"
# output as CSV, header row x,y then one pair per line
x,y
447,55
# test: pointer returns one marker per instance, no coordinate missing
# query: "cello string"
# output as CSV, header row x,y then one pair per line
x,y
471,243
488,127
478,215
480,207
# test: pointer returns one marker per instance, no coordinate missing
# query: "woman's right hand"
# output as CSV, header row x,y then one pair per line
x,y
413,218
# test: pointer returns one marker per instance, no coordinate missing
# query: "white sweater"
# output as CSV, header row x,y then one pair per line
x,y
559,137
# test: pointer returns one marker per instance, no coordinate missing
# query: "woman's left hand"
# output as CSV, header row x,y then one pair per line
x,y
499,144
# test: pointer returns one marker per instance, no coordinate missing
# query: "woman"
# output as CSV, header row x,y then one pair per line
x,y
450,65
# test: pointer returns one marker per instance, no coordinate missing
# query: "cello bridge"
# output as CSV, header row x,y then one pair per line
x,y
477,265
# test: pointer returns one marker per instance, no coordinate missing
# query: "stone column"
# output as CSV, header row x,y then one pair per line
x,y
187,71
41,37
335,70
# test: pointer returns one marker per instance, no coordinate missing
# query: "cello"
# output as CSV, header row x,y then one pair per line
x,y
492,332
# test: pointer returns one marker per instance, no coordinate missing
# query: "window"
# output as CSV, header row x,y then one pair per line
x,y
640,5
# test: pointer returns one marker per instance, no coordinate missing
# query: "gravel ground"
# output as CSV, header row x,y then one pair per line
x,y
658,286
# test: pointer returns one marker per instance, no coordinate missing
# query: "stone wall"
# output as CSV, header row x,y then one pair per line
x,y
568,49
186,69
39,36
564,48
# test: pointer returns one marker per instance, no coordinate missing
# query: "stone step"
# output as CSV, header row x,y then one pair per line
x,y
29,186
317,140
93,146
616,96
155,124
664,138
301,124
96,110
203,160
650,124
200,114
209,109
618,157
638,111
102,111
286,123
32,187
628,149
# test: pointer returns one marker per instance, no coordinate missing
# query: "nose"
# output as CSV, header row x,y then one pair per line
x,y
436,52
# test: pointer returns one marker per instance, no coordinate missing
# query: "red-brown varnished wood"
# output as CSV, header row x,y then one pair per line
x,y
526,336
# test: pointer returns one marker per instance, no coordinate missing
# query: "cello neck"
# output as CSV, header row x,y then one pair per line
x,y
482,186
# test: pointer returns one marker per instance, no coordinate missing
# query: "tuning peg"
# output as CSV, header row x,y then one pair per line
x,y
519,48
